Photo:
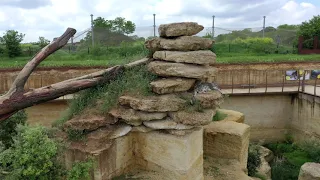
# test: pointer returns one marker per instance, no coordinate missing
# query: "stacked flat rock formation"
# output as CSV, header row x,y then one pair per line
x,y
184,65
163,132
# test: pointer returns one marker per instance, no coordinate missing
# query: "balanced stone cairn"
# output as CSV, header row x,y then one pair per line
x,y
186,95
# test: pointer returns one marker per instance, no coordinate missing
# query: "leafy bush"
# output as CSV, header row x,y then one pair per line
x,y
12,40
33,155
290,157
313,150
256,44
8,127
254,160
80,170
309,29
282,170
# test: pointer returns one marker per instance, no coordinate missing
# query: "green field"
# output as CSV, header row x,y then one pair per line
x,y
125,53
90,61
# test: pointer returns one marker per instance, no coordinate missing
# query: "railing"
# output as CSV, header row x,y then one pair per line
x,y
301,84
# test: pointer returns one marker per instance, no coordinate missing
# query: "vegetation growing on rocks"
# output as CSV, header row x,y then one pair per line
x,y
291,156
100,99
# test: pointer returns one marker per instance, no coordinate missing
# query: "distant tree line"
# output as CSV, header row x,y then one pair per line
x,y
113,32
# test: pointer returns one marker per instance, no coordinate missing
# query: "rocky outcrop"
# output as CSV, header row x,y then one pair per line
x,y
164,132
142,129
93,123
171,85
166,124
228,140
183,43
168,69
135,118
266,156
100,139
211,99
179,29
203,57
193,118
163,103
309,171
231,115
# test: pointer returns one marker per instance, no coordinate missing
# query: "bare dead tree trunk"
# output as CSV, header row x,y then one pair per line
x,y
17,98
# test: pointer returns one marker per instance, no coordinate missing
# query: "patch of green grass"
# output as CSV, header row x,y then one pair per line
x,y
134,81
219,116
82,59
290,157
71,60
282,170
266,58
260,176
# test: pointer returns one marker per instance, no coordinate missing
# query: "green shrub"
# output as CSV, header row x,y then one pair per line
x,y
282,170
80,170
290,157
297,157
313,150
256,44
33,155
75,134
254,160
8,127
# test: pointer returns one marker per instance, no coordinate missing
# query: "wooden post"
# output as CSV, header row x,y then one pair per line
x,y
232,81
315,87
283,80
266,81
300,46
315,42
249,81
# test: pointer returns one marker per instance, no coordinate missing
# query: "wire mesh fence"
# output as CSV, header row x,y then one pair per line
x,y
245,40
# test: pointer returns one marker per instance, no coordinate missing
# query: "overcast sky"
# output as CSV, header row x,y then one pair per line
x,y
50,18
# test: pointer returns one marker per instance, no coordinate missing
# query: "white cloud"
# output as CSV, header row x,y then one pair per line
x,y
51,18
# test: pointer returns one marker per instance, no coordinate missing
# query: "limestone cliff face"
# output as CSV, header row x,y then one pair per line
x,y
164,132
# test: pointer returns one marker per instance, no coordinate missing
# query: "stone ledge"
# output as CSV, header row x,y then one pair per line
x,y
201,57
228,140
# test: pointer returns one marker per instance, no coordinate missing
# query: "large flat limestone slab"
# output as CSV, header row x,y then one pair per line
x,y
174,157
168,69
228,140
112,161
179,156
179,29
163,103
202,57
134,117
193,118
171,85
183,43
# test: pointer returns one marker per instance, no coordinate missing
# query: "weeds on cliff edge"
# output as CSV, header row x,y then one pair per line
x,y
290,156
134,81
81,170
219,116
254,160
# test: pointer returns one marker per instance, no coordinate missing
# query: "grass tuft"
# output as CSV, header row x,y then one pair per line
x,y
134,81
219,116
